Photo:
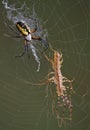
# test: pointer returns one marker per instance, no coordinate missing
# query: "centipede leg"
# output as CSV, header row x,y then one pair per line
x,y
51,73
50,60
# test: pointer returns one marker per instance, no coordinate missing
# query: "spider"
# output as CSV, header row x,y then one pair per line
x,y
26,33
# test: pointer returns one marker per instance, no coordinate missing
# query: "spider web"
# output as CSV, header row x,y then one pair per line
x,y
25,107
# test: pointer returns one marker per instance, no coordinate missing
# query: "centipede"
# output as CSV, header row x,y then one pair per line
x,y
61,102
61,95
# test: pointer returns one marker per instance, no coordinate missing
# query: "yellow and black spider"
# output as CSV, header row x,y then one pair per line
x,y
26,32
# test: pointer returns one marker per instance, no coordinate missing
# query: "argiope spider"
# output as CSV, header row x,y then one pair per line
x,y
26,33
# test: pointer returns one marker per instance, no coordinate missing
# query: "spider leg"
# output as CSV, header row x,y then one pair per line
x,y
11,28
45,44
36,38
17,36
25,50
33,30
22,54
